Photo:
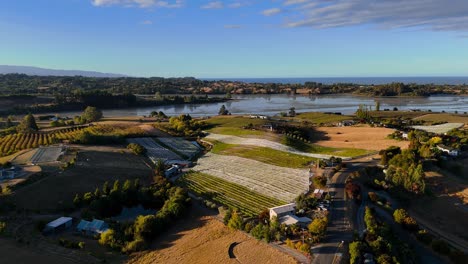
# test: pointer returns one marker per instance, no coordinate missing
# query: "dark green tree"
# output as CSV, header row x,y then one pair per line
x,y
91,114
28,125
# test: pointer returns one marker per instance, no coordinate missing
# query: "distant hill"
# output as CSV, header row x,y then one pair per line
x,y
7,69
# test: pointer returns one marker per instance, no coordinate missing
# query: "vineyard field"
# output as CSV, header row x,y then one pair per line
x,y
281,183
228,193
16,142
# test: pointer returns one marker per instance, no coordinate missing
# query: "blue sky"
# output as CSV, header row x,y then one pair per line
x,y
271,38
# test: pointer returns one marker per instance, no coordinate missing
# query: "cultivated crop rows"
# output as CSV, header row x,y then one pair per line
x,y
228,193
48,154
278,182
262,143
154,151
15,142
181,145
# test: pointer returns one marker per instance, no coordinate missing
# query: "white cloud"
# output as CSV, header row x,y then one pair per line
x,y
213,5
271,12
239,4
147,22
295,2
140,3
436,15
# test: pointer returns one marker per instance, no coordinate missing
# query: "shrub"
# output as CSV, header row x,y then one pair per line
x,y
354,251
399,215
320,181
289,243
2,227
424,237
373,197
134,246
81,244
136,148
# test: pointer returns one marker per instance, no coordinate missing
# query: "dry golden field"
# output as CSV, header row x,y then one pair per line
x,y
370,138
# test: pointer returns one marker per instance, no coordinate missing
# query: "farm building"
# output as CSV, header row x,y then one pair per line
x,y
450,151
282,210
346,123
293,219
58,225
172,171
92,228
318,193
7,174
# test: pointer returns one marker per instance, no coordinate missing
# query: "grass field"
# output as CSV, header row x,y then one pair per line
x,y
451,118
396,114
228,193
262,154
299,148
318,118
233,125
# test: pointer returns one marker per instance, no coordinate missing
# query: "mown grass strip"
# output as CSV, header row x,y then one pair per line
x,y
262,154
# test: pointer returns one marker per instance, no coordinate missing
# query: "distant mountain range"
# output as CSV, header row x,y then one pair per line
x,y
6,69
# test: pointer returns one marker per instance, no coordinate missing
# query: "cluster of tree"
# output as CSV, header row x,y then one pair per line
x,y
24,84
138,235
223,110
184,125
27,125
79,99
136,148
381,242
109,200
305,202
159,114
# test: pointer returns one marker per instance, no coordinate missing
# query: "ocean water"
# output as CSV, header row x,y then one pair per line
x,y
356,80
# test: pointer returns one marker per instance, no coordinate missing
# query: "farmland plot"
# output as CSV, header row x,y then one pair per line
x,y
281,183
439,129
180,145
228,193
263,143
154,151
46,154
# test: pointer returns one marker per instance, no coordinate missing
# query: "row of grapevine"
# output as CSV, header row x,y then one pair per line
x,y
228,193
16,142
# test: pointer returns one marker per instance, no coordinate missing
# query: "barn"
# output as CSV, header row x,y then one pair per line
x,y
58,225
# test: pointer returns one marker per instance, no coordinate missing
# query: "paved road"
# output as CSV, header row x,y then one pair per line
x,y
339,229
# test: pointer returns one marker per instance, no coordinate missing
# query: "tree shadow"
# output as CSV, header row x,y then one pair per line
x,y
196,218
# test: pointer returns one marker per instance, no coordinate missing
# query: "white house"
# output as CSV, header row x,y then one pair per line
x,y
282,210
450,151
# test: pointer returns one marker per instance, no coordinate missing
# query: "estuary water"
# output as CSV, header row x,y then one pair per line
x,y
274,104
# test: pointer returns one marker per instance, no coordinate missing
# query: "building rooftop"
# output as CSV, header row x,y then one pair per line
x,y
284,208
59,221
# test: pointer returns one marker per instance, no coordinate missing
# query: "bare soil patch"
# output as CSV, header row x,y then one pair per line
x,y
204,239
370,138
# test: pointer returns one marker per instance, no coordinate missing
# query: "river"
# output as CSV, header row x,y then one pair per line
x,y
274,104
